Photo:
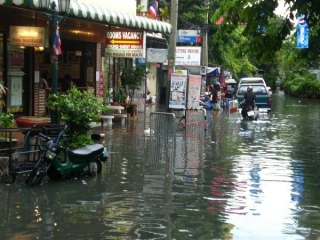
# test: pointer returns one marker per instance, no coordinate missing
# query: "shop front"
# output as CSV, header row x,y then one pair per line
x,y
83,40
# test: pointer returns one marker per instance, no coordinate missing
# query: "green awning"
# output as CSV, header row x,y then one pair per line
x,y
86,11
101,15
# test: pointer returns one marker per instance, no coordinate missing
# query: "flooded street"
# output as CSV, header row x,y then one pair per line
x,y
233,180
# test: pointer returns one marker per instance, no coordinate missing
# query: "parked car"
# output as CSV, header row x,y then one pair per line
x,y
263,99
230,89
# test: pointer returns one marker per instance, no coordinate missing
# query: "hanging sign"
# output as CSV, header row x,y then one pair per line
x,y
302,34
125,44
155,55
178,88
27,36
189,36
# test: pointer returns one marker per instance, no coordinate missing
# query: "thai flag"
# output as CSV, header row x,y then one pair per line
x,y
57,45
153,10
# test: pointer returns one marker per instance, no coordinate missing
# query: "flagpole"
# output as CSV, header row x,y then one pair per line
x,y
54,63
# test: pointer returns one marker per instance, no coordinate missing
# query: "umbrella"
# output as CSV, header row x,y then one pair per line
x,y
222,80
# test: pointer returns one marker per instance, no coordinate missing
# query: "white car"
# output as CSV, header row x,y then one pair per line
x,y
249,80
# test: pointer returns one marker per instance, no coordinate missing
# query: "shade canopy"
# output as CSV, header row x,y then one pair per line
x,y
98,14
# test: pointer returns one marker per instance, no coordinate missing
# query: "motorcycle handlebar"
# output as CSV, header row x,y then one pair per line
x,y
44,137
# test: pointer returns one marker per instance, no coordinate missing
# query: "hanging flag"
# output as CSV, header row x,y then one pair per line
x,y
153,10
302,34
222,79
56,45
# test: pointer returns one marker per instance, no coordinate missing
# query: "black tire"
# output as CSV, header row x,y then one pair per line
x,y
37,179
33,173
94,167
53,173
31,176
36,174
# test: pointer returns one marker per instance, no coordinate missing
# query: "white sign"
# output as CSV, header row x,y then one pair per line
x,y
155,55
178,89
194,87
188,32
188,56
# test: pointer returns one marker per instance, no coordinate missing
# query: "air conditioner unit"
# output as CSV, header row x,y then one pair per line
x,y
203,70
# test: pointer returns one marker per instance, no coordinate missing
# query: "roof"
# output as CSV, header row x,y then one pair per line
x,y
230,81
100,15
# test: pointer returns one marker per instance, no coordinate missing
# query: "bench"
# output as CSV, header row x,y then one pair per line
x,y
106,117
118,117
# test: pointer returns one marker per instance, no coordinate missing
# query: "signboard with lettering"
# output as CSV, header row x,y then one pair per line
x,y
27,36
188,56
188,36
178,89
125,44
156,55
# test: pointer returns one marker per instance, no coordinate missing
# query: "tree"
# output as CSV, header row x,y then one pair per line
x,y
257,16
132,77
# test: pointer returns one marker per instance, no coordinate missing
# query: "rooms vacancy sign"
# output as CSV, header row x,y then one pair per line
x,y
125,43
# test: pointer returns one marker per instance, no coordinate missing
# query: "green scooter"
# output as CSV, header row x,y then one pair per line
x,y
86,160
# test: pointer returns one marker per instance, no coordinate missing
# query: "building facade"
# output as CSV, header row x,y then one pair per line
x,y
83,37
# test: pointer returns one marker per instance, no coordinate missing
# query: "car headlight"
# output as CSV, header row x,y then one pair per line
x,y
50,155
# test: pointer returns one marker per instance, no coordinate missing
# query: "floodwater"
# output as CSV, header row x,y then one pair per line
x,y
233,180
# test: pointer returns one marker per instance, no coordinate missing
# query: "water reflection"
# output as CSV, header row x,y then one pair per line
x,y
219,183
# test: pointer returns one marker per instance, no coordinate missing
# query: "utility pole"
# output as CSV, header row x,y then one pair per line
x,y
172,45
204,52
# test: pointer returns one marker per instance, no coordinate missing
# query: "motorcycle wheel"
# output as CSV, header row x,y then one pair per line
x,y
94,167
35,177
33,174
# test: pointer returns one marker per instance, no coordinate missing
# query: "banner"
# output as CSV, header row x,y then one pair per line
x,y
178,88
194,87
302,34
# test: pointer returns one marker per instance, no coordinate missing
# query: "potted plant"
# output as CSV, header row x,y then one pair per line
x,y
6,119
132,77
3,91
77,109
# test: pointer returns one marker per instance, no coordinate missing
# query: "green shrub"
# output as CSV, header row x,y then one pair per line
x,y
6,120
77,109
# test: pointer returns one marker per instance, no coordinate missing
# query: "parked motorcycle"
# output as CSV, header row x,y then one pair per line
x,y
86,160
205,101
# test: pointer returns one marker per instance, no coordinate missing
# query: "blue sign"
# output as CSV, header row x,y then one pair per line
x,y
188,39
302,34
141,61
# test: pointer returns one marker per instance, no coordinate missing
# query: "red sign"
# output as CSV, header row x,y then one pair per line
x,y
125,43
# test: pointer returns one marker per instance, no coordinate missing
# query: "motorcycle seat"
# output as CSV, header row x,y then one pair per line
x,y
88,151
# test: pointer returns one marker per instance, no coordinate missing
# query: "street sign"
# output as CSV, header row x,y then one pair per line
x,y
188,36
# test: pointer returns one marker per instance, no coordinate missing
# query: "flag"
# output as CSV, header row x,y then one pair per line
x,y
57,45
222,79
153,10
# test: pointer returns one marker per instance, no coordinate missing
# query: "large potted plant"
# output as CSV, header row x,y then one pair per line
x,y
77,109
6,119
132,78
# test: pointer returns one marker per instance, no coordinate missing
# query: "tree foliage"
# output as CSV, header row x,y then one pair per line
x,y
255,15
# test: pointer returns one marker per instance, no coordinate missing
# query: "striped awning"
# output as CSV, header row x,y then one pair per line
x,y
102,15
81,10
